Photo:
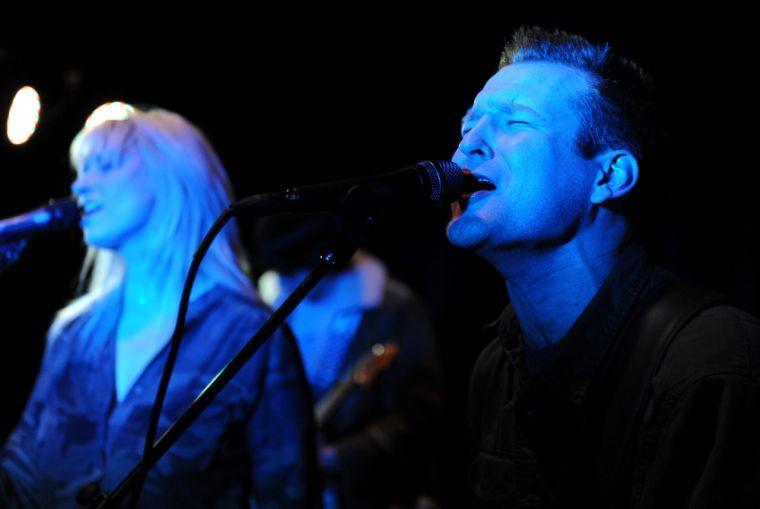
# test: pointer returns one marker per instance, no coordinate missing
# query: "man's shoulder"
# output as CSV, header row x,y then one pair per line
x,y
491,364
497,359
722,340
489,384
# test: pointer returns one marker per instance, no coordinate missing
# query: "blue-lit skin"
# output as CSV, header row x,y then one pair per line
x,y
116,197
545,227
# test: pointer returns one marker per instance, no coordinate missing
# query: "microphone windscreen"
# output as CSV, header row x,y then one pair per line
x,y
447,181
63,213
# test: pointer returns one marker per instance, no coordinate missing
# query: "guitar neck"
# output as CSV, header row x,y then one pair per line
x,y
362,374
331,401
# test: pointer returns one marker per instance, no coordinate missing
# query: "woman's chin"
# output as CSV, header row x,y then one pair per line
x,y
98,240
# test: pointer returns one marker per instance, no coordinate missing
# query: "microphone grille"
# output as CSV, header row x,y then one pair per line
x,y
63,213
446,180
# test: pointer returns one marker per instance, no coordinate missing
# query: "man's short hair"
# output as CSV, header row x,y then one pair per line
x,y
618,112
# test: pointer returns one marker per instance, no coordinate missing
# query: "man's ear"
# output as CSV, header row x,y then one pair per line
x,y
618,172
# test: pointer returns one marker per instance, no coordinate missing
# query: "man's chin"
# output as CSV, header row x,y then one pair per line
x,y
467,232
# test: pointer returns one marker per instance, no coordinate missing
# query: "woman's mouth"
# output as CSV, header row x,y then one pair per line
x,y
89,208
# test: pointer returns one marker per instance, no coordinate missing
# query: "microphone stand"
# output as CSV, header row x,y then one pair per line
x,y
340,251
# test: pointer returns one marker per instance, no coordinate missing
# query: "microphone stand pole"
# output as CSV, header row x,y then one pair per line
x,y
341,250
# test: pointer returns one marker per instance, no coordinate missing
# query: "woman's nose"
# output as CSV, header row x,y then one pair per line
x,y
81,184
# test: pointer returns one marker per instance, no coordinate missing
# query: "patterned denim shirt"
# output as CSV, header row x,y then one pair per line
x,y
254,442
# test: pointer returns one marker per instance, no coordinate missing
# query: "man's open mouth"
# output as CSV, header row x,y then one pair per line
x,y
476,186
476,183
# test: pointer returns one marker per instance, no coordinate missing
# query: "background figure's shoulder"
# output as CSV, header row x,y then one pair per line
x,y
721,340
402,317
396,294
401,311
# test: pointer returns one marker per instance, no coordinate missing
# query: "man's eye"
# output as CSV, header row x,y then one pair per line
x,y
512,122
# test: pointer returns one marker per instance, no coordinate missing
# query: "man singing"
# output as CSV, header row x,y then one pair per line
x,y
610,383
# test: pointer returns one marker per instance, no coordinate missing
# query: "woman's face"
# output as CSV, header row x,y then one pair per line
x,y
116,196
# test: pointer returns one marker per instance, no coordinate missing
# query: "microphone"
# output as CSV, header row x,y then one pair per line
x,y
428,182
56,215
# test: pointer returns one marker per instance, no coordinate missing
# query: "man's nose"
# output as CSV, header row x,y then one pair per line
x,y
474,145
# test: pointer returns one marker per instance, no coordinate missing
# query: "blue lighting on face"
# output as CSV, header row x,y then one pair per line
x,y
116,196
520,135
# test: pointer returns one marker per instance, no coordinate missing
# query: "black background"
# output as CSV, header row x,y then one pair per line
x,y
303,96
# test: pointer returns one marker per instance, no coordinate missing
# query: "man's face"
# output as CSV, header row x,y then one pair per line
x,y
521,135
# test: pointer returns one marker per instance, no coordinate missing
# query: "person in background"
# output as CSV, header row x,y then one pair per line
x,y
371,361
150,185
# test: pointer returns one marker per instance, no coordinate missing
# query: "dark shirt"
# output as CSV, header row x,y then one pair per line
x,y
698,444
255,439
385,434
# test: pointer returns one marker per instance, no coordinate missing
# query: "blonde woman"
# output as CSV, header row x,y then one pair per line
x,y
150,186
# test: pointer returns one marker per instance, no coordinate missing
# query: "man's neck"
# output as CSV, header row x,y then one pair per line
x,y
549,289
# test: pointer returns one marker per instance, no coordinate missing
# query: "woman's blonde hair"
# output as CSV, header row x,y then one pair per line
x,y
191,190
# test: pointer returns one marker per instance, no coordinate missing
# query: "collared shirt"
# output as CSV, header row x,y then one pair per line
x,y
253,440
526,407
